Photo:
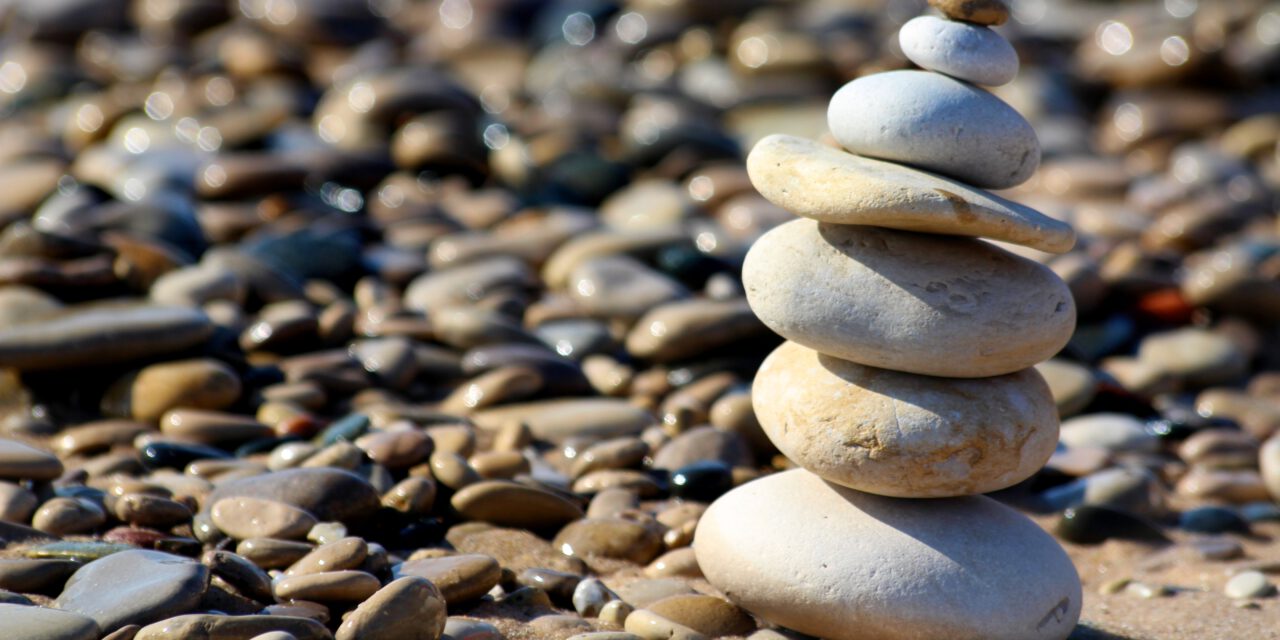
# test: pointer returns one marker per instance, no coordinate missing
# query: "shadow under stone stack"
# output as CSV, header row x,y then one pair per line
x,y
905,387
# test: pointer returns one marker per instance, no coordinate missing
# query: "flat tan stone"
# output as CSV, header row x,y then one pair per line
x,y
815,181
902,434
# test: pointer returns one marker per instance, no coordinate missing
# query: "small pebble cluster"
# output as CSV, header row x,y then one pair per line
x,y
425,318
907,370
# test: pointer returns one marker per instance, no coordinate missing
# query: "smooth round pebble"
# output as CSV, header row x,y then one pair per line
x,y
796,551
968,52
933,122
408,608
1249,584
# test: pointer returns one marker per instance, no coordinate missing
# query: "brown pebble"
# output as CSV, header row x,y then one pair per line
x,y
150,511
705,614
610,538
408,608
329,586
244,518
986,12
339,555
459,578
509,504
270,553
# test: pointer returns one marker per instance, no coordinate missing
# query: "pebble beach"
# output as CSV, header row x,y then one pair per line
x,y
639,319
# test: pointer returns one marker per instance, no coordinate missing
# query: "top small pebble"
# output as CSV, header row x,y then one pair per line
x,y
987,12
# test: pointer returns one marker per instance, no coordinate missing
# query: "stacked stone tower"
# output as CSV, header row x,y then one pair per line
x,y
905,386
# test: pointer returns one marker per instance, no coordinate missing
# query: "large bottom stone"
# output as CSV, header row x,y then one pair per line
x,y
840,564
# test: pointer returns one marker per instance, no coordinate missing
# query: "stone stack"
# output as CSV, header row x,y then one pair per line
x,y
906,384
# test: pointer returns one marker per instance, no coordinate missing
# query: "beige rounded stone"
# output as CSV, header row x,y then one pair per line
x,y
508,504
243,518
194,384
830,185
409,608
927,304
328,586
705,614
901,434
836,563
987,12
459,578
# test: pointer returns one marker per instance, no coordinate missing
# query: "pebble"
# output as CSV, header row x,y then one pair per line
x,y
212,427
832,544
935,123
913,436
408,608
1196,357
20,461
959,308
558,420
1114,432
327,494
222,626
1073,386
134,587
244,518
508,504
65,516
194,384
39,623
102,336
327,586
684,329
609,538
463,629
986,12
620,287
858,190
239,572
459,578
699,444
708,615
963,51
32,576
651,626
1249,584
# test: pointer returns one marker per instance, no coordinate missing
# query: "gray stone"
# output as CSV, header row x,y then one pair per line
x,y
968,52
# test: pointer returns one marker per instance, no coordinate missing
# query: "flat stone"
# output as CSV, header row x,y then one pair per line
x,y
193,384
620,286
651,626
815,181
65,516
204,625
700,444
705,614
134,587
1117,432
926,304
986,12
558,420
515,549
609,538
510,504
463,629
459,578
1194,356
933,122
244,517
19,461
901,434
1249,584
212,427
339,555
328,494
968,52
30,576
102,335
327,586
23,622
797,551
684,329
409,608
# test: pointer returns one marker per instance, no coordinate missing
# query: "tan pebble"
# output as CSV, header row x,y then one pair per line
x,y
396,449
504,465
406,609
411,495
64,516
453,438
243,518
193,384
20,461
222,626
680,535
452,470
705,614
610,538
342,455
615,612
512,436
212,427
1112,587
612,502
651,626
987,12
679,562
615,453
459,578
93,437
17,503
299,609
150,511
342,586
508,504
339,555
270,553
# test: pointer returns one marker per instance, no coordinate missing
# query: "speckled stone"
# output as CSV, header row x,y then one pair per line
x,y
901,434
926,304
968,52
